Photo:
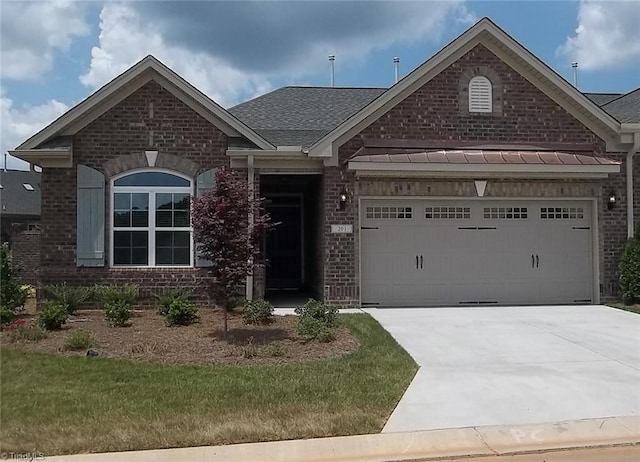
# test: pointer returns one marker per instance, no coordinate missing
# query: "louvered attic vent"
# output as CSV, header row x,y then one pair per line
x,y
480,97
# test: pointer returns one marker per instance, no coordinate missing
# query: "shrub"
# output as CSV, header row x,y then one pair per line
x,y
117,302
6,315
12,296
117,312
257,312
317,321
71,297
27,332
630,272
251,350
180,312
53,315
167,296
78,340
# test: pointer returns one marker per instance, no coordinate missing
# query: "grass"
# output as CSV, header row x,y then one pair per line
x,y
622,306
63,405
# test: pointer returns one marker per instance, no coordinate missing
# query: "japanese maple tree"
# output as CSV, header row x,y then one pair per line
x,y
222,229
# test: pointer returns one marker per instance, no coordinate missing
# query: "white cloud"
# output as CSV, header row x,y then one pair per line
x,y
32,32
607,35
19,123
125,39
225,66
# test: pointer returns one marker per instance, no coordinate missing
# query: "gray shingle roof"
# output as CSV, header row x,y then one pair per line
x,y
602,98
299,116
15,199
625,109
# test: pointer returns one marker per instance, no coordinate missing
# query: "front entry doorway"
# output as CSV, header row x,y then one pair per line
x,y
292,249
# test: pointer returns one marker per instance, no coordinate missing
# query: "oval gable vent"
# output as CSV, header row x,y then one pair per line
x,y
480,95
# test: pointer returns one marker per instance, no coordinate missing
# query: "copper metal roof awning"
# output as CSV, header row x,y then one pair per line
x,y
488,162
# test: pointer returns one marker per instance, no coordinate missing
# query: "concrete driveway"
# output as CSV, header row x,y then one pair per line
x,y
515,365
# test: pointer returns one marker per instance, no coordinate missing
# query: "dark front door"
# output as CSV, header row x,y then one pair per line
x,y
284,244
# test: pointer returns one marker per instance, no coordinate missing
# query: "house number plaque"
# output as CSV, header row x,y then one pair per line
x,y
341,229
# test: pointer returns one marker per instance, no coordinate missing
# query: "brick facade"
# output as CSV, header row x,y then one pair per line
x,y
25,250
149,119
435,112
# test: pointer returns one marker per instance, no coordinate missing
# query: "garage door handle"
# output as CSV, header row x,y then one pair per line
x,y
533,261
416,262
537,261
420,261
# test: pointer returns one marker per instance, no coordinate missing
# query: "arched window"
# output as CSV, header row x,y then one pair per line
x,y
480,95
151,219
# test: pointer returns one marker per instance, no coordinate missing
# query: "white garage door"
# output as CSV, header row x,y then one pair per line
x,y
438,253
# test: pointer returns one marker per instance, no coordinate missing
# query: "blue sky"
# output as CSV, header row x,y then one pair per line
x,y
235,51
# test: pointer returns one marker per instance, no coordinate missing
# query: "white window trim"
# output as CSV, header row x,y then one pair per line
x,y
485,80
151,228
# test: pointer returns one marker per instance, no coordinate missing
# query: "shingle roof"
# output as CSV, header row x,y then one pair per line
x,y
602,98
15,198
625,109
299,116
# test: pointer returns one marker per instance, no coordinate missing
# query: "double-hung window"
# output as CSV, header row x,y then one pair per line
x,y
151,219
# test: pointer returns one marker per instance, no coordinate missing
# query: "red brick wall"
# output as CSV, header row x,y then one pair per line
x,y
25,250
122,131
434,112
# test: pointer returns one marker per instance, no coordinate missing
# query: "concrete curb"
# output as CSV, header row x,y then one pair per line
x,y
396,447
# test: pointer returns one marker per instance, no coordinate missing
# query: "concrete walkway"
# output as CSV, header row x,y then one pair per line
x,y
413,446
515,365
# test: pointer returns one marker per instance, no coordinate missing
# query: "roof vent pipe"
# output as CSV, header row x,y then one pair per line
x,y
332,59
396,65
574,65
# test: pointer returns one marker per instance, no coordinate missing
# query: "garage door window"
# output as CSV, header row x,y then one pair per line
x,y
561,213
389,212
505,213
447,213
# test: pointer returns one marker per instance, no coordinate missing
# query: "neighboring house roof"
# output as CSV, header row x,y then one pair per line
x,y
20,193
299,116
602,98
626,108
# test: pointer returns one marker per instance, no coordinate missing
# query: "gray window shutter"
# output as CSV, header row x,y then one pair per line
x,y
205,181
90,217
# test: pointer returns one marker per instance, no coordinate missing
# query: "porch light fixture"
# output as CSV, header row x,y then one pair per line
x,y
611,202
343,199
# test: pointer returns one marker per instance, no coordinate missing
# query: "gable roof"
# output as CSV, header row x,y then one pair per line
x,y
147,69
496,40
299,116
626,108
15,197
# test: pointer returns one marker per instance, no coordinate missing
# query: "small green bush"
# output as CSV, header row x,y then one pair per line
x,y
7,315
630,272
317,321
78,340
257,312
12,296
71,297
117,312
53,315
180,312
27,333
167,296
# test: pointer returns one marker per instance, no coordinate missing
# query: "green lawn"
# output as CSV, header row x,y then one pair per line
x,y
622,306
62,405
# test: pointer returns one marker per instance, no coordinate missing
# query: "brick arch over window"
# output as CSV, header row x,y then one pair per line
x,y
496,90
139,160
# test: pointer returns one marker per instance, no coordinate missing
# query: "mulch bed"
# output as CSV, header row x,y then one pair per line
x,y
148,338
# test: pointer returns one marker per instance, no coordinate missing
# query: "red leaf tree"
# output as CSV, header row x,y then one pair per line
x,y
222,229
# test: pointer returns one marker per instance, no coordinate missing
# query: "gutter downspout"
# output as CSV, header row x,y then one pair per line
x,y
251,192
629,169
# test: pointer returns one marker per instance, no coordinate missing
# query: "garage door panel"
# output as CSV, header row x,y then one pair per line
x,y
504,252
